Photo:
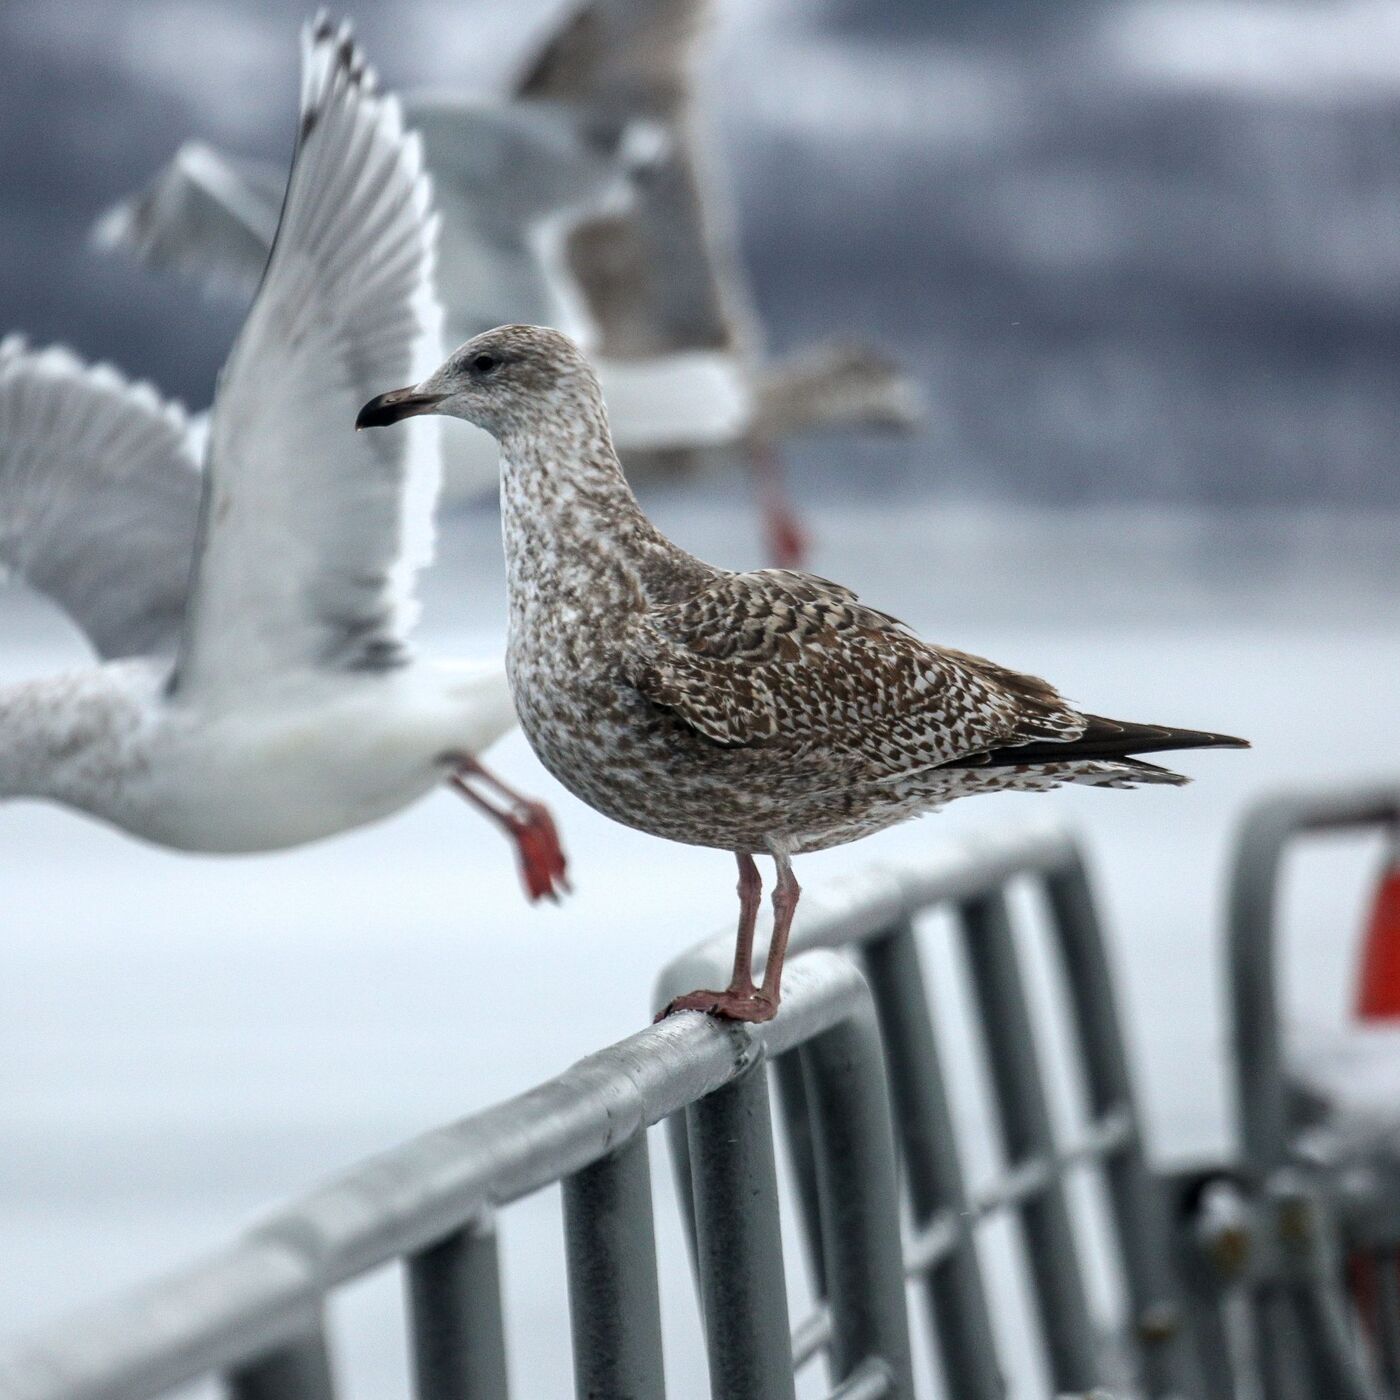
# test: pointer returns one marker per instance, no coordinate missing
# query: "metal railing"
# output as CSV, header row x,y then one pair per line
x,y
882,1198
253,1313
1276,1231
875,917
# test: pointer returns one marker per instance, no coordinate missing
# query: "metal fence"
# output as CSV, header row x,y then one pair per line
x,y
875,918
884,1206
1308,1202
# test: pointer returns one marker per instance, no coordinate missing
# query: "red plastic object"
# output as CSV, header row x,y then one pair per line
x,y
1378,988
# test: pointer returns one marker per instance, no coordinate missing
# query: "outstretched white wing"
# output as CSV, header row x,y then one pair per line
x,y
207,216
311,534
99,497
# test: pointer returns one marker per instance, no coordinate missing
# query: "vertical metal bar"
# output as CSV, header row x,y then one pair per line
x,y
459,1340
850,1114
795,1113
678,1149
1261,1079
614,1301
1388,1316
1311,1293
1026,1129
300,1370
743,1290
1135,1196
957,1299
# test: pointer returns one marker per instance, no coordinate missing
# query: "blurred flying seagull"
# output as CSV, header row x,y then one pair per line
x,y
576,206
662,278
509,180
256,689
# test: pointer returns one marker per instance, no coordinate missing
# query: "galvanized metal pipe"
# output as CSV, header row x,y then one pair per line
x,y
1262,1076
299,1370
1014,1060
455,1317
1167,1364
854,1149
743,1288
614,1299
953,1287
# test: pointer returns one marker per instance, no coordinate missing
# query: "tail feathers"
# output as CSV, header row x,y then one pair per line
x,y
1105,739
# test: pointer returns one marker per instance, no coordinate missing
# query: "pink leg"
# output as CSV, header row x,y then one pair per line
x,y
783,532
740,996
741,1001
527,823
786,893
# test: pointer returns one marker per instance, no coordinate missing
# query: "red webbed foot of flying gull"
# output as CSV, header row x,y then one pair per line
x,y
543,866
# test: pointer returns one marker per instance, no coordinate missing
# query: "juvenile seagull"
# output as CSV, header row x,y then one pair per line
x,y
759,713
256,689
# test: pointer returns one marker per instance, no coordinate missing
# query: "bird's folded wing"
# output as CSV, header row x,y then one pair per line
x,y
311,534
99,497
206,216
781,656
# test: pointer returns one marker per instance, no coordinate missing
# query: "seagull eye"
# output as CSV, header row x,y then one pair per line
x,y
483,364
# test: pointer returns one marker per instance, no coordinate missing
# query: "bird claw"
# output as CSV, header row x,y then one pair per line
x,y
732,1004
543,865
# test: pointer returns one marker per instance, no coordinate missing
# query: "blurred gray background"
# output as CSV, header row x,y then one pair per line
x,y
1137,252
1145,258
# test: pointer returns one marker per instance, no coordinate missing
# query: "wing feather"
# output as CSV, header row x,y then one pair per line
x,y
99,497
207,216
313,534
781,657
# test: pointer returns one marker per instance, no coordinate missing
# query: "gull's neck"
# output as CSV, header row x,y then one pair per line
x,y
563,494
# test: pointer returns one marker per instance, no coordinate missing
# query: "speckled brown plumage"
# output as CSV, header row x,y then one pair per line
x,y
756,712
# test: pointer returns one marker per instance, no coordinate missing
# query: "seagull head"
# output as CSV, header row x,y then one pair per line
x,y
503,380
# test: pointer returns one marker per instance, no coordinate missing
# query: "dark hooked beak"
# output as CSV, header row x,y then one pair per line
x,y
395,405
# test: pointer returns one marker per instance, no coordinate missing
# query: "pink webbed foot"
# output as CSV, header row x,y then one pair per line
x,y
543,866
732,1004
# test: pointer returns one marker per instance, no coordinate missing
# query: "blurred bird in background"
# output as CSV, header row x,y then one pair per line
x,y
257,688
580,201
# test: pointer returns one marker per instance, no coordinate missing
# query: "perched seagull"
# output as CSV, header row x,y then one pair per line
x,y
256,689
662,278
759,713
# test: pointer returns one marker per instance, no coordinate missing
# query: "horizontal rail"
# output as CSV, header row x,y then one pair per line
x,y
936,1240
265,1291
